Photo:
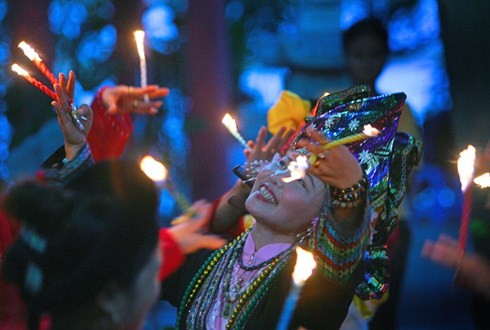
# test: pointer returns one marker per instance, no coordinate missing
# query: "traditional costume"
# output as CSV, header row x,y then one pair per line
x,y
225,289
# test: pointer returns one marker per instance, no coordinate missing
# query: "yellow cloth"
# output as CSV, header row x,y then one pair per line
x,y
289,111
367,308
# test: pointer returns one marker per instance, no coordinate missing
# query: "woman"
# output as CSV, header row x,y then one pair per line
x,y
244,284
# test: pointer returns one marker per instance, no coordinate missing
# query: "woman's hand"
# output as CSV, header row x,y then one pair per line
x,y
337,166
74,137
190,234
129,99
259,150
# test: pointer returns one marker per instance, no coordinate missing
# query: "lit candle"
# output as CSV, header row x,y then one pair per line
x,y
483,180
368,132
297,168
21,72
466,167
158,173
36,59
305,264
230,124
139,36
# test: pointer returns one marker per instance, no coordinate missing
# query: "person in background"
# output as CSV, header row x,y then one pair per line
x,y
472,268
119,101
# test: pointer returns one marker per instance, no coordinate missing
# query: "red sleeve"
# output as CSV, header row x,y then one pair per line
x,y
172,255
109,133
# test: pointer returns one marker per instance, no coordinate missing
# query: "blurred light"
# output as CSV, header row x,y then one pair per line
x,y
3,9
263,84
446,198
106,10
234,10
4,52
160,28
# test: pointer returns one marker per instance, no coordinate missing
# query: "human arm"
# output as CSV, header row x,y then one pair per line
x,y
112,107
342,234
75,156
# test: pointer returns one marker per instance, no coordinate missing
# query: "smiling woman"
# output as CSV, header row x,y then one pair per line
x,y
244,285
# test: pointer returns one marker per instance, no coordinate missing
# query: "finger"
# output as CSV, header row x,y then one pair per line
x,y
62,80
70,87
260,139
317,136
448,240
63,116
159,93
211,242
427,248
277,140
62,98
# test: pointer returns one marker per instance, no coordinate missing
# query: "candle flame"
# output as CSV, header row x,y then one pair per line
x,y
230,123
297,168
19,70
483,180
153,169
466,166
370,131
304,266
139,36
29,51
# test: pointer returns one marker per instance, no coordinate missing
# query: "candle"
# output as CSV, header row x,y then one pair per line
x,y
21,72
230,124
483,180
158,173
139,36
297,168
305,264
368,131
466,167
36,59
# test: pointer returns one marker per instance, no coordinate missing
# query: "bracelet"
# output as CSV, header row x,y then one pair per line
x,y
349,197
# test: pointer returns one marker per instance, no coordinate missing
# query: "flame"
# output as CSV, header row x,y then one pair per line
x,y
139,36
297,168
29,51
19,70
304,266
483,180
230,123
370,131
153,169
466,166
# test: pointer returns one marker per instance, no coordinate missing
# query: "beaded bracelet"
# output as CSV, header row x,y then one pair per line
x,y
349,197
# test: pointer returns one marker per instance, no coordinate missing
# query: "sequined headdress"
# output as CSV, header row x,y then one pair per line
x,y
386,160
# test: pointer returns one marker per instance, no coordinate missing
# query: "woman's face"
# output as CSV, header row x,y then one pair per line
x,y
143,294
285,207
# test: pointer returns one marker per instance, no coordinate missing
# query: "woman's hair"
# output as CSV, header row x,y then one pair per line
x,y
75,240
367,26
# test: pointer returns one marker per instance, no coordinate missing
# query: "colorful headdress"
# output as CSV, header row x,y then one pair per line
x,y
386,159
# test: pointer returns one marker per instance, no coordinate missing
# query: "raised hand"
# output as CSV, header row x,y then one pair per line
x,y
260,150
337,166
74,137
190,234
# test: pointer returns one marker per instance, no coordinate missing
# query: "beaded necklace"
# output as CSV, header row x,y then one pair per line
x,y
240,306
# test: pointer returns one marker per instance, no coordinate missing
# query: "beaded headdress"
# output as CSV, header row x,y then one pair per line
x,y
386,159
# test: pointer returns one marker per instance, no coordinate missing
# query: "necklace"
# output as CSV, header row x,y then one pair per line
x,y
246,301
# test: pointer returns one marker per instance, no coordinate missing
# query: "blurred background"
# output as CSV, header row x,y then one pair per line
x,y
236,56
